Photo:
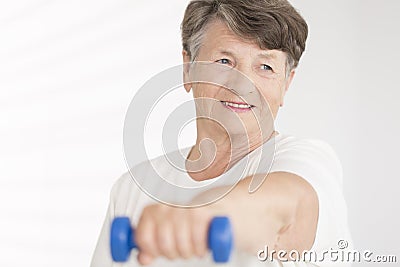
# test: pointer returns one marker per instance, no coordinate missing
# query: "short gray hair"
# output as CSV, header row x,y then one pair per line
x,y
272,24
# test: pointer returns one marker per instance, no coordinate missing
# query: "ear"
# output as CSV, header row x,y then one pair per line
x,y
287,84
186,67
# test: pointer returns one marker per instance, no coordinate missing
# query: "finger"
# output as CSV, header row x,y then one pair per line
x,y
166,240
144,258
199,237
183,239
145,236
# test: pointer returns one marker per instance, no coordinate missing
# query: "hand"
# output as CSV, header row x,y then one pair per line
x,y
173,232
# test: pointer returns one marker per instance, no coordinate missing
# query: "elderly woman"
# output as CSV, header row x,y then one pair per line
x,y
299,207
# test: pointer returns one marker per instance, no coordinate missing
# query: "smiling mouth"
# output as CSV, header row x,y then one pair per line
x,y
237,107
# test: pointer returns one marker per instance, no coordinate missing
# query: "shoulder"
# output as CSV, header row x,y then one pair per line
x,y
285,143
145,178
127,178
131,176
312,158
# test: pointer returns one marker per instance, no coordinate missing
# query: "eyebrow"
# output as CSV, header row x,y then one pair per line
x,y
226,52
266,55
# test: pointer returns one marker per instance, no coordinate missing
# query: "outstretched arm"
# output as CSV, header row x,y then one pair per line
x,y
282,214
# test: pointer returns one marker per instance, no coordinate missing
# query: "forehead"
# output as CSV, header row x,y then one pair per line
x,y
218,38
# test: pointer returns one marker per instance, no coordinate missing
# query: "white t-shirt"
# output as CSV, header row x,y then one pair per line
x,y
313,160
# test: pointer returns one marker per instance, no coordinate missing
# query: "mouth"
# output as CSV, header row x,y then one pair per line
x,y
237,107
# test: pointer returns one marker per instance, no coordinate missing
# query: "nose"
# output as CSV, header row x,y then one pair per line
x,y
240,83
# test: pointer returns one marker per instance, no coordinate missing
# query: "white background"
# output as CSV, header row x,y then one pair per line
x,y
68,70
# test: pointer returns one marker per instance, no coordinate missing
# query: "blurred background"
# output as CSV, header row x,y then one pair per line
x,y
69,69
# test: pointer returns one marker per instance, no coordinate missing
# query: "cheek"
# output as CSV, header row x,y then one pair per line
x,y
205,90
273,95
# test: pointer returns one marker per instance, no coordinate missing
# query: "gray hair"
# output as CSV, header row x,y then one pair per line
x,y
272,24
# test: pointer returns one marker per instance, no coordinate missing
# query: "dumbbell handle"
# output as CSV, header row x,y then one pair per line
x,y
220,239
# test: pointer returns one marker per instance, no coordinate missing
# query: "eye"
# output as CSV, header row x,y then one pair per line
x,y
224,61
265,67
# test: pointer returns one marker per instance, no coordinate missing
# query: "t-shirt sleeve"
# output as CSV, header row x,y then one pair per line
x,y
102,256
123,196
316,162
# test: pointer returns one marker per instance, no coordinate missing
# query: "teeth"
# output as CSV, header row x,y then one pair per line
x,y
235,105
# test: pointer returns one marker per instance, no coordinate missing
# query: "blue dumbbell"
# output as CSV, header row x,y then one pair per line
x,y
220,239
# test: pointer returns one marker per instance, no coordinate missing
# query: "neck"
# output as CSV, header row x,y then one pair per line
x,y
215,151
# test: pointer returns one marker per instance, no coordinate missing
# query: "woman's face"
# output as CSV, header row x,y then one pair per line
x,y
264,69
